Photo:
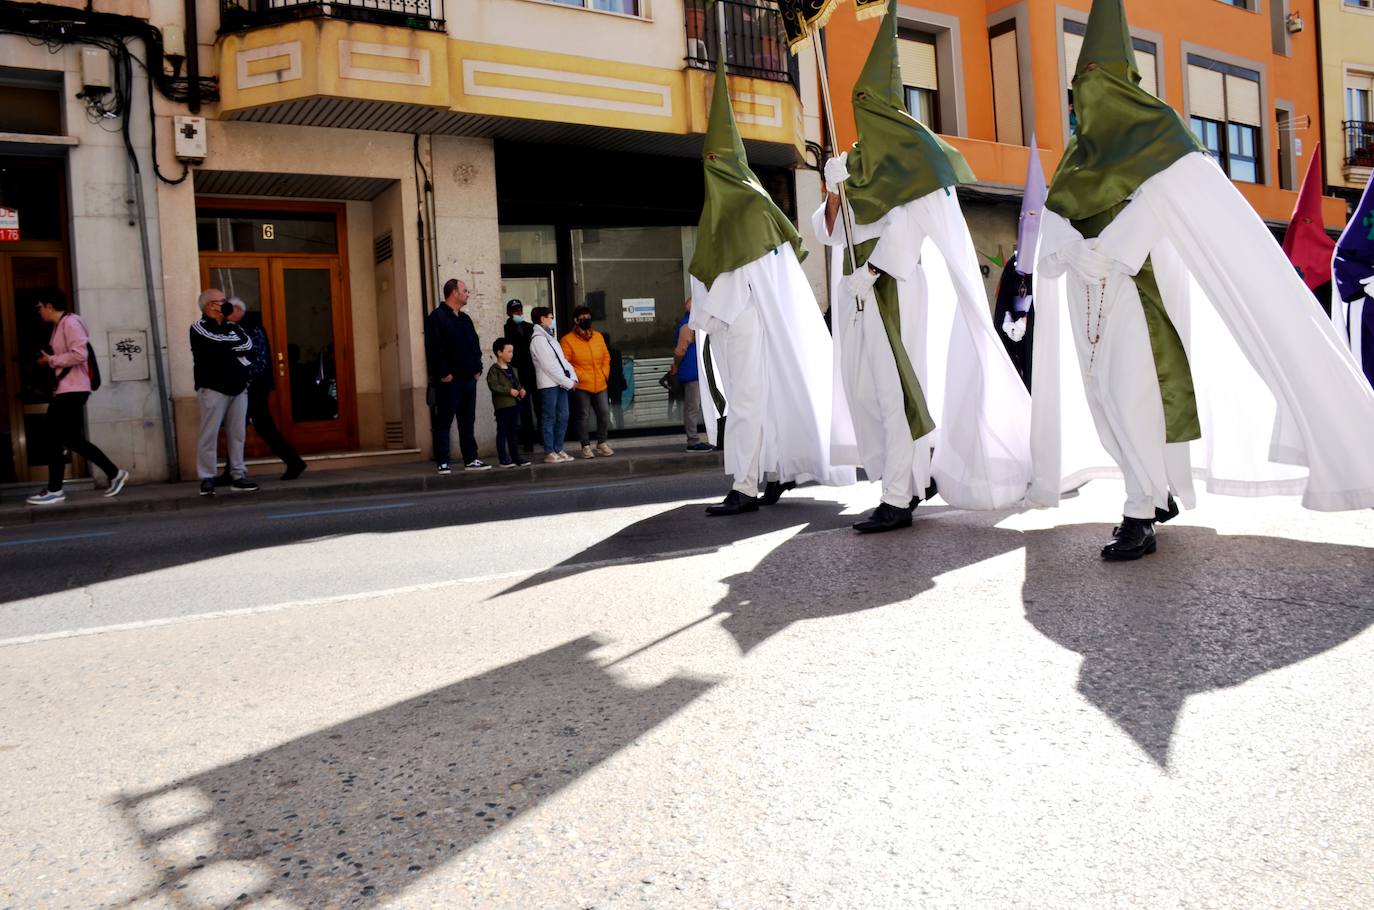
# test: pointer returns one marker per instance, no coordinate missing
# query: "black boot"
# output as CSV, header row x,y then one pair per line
x,y
773,491
1132,539
1163,515
884,518
735,503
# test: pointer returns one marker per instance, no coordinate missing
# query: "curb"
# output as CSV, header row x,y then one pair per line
x,y
183,497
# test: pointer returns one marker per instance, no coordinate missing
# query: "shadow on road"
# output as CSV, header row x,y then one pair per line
x,y
354,813
1206,612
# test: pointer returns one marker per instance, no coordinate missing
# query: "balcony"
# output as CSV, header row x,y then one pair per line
x,y
1359,143
754,41
425,15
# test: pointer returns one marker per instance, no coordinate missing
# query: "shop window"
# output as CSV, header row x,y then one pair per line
x,y
1227,97
240,231
30,103
528,244
920,76
1006,83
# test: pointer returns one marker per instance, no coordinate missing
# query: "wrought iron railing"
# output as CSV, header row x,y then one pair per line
x,y
1359,143
427,15
754,42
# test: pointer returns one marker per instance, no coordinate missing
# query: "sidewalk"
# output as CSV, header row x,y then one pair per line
x,y
633,458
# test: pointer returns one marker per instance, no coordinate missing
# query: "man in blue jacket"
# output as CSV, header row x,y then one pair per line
x,y
454,356
685,369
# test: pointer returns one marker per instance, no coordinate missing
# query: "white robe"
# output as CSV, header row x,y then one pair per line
x,y
1282,406
979,453
771,357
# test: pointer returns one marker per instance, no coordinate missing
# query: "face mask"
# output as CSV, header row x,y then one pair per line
x,y
226,309
518,318
584,323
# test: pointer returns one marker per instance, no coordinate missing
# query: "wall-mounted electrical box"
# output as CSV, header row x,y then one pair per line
x,y
190,138
95,72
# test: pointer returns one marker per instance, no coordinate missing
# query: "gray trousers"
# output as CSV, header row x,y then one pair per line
x,y
216,410
691,411
584,403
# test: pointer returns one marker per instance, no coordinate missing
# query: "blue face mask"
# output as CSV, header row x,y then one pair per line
x,y
517,317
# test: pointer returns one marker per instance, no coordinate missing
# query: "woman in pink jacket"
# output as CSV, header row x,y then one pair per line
x,y
65,422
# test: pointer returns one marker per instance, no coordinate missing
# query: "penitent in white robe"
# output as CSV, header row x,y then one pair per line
x,y
979,453
771,357
1282,405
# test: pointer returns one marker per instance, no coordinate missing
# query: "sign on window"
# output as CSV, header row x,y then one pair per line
x,y
9,224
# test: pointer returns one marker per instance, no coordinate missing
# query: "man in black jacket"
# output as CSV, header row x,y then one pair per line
x,y
519,333
261,382
454,356
219,354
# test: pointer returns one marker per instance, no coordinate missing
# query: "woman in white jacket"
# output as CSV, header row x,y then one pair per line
x,y
554,376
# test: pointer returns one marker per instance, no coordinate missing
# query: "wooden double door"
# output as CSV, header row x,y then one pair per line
x,y
302,304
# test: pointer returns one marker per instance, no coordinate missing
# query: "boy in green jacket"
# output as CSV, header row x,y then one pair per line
x,y
506,394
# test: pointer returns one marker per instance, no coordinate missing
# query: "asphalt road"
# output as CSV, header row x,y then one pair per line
x,y
600,698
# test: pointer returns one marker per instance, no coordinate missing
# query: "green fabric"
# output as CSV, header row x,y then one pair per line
x,y
1125,135
502,391
739,220
889,308
897,159
1181,422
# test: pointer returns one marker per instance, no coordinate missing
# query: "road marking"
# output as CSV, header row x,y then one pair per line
x,y
311,514
594,486
57,537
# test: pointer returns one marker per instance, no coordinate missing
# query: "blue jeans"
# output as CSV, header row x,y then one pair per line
x,y
553,417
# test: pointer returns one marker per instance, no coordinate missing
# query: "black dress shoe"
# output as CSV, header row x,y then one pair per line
x,y
884,518
735,503
294,470
773,491
1163,515
1132,539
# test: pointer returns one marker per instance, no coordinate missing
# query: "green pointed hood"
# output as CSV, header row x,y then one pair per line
x,y
1125,135
739,220
897,159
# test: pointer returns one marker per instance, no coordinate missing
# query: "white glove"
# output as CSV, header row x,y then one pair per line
x,y
1015,329
1089,263
860,284
836,172
1368,284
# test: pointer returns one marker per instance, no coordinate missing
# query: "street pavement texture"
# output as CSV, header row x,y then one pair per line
x,y
600,698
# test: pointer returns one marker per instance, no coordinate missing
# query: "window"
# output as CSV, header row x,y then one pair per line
x,y
1357,103
1227,97
1361,4
920,76
1006,83
1287,160
30,102
627,7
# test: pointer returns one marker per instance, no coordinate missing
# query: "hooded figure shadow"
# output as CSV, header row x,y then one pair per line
x,y
353,814
1209,612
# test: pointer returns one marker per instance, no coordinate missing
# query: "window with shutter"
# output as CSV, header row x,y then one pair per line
x,y
1006,83
1227,115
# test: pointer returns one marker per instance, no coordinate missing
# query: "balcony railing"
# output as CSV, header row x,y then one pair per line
x,y
1359,143
754,42
427,15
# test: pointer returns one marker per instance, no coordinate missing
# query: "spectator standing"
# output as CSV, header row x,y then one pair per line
x,y
260,386
219,353
519,332
586,350
64,424
507,391
554,376
685,369
454,357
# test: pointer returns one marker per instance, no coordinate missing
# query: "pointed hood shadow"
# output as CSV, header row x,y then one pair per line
x,y
1207,612
687,528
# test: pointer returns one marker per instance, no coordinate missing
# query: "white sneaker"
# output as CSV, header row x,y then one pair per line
x,y
603,449
47,498
552,458
564,456
587,452
477,464
117,483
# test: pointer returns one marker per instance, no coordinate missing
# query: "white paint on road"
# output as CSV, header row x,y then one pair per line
x,y
340,511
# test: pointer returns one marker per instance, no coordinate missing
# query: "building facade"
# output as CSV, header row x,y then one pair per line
x,y
1346,28
352,156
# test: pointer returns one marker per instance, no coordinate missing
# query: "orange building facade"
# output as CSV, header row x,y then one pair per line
x,y
989,74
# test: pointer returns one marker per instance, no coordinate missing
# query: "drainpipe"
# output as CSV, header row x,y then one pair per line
x,y
154,325
192,58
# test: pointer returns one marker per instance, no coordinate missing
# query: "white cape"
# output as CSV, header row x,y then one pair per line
x,y
796,371
1282,405
979,452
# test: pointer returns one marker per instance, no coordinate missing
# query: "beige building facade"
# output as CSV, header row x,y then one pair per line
x,y
1347,51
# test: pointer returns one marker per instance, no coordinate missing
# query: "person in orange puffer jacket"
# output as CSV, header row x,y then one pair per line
x,y
586,350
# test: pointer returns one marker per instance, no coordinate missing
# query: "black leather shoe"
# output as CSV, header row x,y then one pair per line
x,y
735,503
773,491
884,518
1132,539
294,470
1163,515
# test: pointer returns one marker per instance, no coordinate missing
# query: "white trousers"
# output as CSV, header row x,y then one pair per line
x,y
740,358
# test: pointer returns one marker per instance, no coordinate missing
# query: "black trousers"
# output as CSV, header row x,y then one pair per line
x,y
508,434
65,426
455,399
260,416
